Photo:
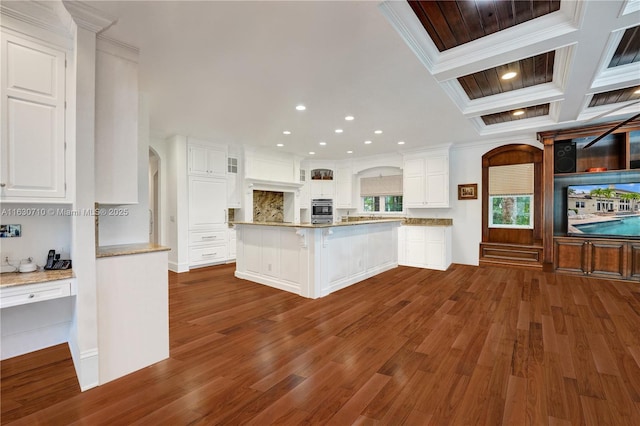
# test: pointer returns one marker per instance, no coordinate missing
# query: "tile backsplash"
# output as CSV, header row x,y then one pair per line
x,y
268,206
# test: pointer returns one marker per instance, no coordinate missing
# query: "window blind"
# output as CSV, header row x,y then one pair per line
x,y
381,185
511,180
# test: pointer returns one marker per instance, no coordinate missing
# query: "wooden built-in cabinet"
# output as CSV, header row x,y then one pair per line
x,y
594,257
566,162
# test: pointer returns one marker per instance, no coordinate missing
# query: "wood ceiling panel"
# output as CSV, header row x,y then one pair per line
x,y
452,23
615,96
507,116
531,71
628,50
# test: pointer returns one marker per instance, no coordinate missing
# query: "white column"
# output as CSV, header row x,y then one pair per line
x,y
83,338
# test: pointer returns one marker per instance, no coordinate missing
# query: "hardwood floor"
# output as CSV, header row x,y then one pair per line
x,y
411,346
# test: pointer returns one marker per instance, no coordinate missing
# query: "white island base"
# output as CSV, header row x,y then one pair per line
x,y
315,260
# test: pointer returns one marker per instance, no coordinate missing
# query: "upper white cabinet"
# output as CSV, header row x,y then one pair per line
x,y
116,144
207,160
322,189
344,187
33,121
426,180
234,198
305,194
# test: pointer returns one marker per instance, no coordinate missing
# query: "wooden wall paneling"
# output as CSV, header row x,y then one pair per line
x,y
547,218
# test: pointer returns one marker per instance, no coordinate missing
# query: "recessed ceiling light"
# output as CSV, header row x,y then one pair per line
x,y
312,153
286,132
637,92
301,107
518,112
349,117
509,75
367,142
349,152
323,143
279,144
338,130
400,142
377,132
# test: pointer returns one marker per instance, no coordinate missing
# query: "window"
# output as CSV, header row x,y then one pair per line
x,y
303,175
232,165
580,204
381,194
388,203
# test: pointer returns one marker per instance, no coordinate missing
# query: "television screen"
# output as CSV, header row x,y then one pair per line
x,y
606,210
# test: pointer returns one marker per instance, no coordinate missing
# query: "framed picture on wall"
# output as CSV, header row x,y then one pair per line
x,y
468,191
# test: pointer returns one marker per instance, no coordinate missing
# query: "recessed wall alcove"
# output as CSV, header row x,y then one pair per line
x,y
512,206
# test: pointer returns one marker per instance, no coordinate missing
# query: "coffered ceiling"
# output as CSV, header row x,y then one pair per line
x,y
573,60
424,73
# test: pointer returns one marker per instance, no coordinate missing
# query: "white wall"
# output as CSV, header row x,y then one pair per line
x,y
52,230
134,226
177,208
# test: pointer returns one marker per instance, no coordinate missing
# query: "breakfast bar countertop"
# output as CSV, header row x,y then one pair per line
x,y
126,249
318,225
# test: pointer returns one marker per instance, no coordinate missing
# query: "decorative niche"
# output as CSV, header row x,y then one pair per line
x,y
512,195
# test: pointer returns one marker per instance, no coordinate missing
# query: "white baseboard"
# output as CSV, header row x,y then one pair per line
x,y
275,283
33,340
178,267
346,282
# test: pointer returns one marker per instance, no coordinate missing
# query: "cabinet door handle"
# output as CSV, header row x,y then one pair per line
x,y
208,254
209,237
31,296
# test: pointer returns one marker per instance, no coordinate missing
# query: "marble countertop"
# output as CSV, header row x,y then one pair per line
x,y
126,249
11,279
318,225
406,221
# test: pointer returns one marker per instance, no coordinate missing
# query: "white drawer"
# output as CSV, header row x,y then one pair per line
x,y
208,254
207,237
30,293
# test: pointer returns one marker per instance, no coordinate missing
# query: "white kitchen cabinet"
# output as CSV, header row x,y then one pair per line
x,y
232,244
116,142
425,247
234,189
344,188
305,190
207,203
426,180
33,149
207,160
208,241
31,293
322,189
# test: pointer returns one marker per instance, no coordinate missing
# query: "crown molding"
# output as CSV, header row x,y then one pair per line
x,y
88,17
44,15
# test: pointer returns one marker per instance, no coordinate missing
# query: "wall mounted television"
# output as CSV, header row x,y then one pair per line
x,y
609,210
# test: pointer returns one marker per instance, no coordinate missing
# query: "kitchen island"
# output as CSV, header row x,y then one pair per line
x,y
315,260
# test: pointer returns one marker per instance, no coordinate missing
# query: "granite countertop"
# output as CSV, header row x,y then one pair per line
x,y
126,249
317,225
10,279
407,221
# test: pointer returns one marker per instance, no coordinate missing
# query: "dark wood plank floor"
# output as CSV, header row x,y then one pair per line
x,y
468,346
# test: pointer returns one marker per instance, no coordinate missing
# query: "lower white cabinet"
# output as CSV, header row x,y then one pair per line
x,y
199,256
232,244
425,247
207,246
27,326
31,293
